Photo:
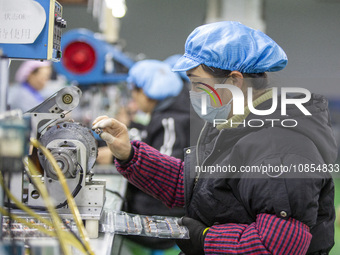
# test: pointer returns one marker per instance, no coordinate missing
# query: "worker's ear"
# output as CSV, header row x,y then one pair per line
x,y
236,78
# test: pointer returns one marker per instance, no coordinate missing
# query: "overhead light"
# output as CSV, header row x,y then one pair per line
x,y
118,7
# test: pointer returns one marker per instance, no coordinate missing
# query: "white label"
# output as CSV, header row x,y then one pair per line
x,y
21,21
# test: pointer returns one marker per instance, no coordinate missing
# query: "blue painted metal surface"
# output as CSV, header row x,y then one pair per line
x,y
97,74
38,49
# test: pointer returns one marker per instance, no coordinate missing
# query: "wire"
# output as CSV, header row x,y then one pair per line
x,y
21,205
71,203
69,238
72,239
117,194
9,175
76,189
43,208
74,234
125,202
34,207
49,204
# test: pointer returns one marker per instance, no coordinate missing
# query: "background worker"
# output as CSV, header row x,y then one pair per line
x,y
196,123
32,77
244,213
158,91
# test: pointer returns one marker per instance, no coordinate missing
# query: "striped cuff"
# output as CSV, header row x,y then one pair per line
x,y
268,235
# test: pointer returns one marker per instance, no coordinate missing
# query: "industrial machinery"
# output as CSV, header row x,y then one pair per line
x,y
75,150
31,29
88,59
100,69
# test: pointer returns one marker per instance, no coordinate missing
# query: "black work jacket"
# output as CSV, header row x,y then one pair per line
x,y
168,132
238,198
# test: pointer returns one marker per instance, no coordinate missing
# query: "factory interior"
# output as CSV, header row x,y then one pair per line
x,y
65,191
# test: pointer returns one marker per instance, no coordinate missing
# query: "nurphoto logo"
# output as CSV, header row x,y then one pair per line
x,y
238,104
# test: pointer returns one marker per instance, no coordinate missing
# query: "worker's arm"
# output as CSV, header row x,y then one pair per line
x,y
151,171
154,173
267,235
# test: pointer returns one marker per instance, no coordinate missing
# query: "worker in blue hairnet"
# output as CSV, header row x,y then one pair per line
x,y
238,184
160,92
171,61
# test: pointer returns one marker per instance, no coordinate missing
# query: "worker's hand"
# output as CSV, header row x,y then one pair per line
x,y
116,136
197,233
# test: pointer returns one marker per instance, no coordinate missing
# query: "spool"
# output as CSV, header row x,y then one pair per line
x,y
68,98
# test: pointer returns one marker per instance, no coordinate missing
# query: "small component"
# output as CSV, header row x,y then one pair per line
x,y
127,224
173,226
98,131
120,223
149,225
20,231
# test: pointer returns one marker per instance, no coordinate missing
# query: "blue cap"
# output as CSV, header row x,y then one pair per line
x,y
172,61
155,78
229,45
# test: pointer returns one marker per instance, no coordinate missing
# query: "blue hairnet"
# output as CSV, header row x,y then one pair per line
x,y
155,78
172,61
229,45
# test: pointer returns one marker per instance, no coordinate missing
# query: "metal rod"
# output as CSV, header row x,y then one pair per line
x,y
4,78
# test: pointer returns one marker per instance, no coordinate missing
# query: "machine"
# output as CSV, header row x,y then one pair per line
x,y
89,60
75,150
31,29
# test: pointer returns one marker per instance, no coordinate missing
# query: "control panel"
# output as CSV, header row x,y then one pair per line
x,y
59,24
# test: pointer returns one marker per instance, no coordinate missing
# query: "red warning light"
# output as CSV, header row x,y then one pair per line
x,y
79,57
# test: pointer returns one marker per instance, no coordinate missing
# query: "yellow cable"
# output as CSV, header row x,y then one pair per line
x,y
22,206
49,204
71,203
66,235
30,212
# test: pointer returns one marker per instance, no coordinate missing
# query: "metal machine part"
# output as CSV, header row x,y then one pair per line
x,y
67,161
61,139
75,149
53,108
16,32
65,99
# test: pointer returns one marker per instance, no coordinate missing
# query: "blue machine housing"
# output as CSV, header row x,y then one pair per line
x,y
45,47
104,52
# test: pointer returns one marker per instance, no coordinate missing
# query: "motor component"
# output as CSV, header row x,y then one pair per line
x,y
65,140
67,161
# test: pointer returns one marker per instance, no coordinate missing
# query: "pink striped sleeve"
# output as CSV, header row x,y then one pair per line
x,y
155,173
268,235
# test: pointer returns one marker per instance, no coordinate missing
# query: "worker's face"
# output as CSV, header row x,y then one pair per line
x,y
201,79
144,103
39,78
